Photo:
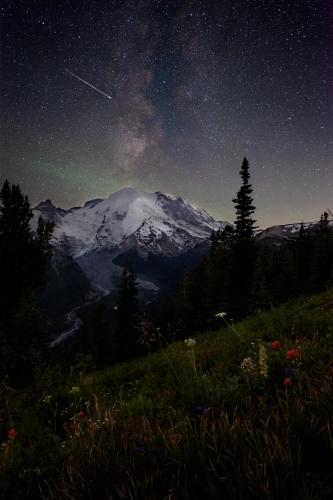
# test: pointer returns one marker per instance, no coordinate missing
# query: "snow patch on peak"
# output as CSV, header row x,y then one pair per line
x,y
128,218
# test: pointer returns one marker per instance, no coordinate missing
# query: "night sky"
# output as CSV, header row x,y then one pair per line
x,y
194,87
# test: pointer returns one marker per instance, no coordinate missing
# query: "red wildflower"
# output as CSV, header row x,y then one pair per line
x,y
276,345
82,414
292,354
12,433
287,381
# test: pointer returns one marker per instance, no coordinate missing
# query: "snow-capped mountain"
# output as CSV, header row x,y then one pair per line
x,y
149,224
279,235
154,222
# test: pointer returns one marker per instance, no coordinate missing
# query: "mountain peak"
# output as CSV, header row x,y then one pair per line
x,y
124,196
45,204
91,203
130,220
154,222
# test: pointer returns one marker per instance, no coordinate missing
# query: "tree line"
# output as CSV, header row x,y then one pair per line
x,y
240,275
24,261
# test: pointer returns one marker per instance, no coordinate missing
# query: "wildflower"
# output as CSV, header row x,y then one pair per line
x,y
263,366
292,354
12,433
290,372
221,315
82,414
47,398
276,345
202,410
287,381
247,365
74,390
190,342
139,447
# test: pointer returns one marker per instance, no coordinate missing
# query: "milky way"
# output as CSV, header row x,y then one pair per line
x,y
195,87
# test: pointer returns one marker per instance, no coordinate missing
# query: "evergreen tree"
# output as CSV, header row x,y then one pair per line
x,y
218,272
301,261
15,246
243,251
245,224
24,256
64,244
95,336
126,335
322,255
261,294
193,300
24,261
286,277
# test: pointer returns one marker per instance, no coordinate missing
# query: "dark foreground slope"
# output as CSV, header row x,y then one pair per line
x,y
241,413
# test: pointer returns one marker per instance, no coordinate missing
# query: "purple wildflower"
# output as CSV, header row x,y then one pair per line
x,y
202,410
290,372
139,447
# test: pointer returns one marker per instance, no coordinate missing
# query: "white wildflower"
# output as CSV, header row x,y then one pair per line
x,y
221,315
75,389
47,398
190,342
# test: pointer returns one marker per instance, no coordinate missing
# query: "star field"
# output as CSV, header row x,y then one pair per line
x,y
195,86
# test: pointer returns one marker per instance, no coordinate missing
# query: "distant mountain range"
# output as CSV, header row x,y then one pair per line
x,y
279,235
160,234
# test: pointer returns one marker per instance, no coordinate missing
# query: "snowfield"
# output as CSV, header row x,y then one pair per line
x,y
156,222
152,224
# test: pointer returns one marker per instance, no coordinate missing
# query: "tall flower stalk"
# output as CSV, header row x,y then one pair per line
x,y
263,366
222,315
190,343
54,409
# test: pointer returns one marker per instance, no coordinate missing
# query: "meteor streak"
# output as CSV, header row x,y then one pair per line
x,y
87,83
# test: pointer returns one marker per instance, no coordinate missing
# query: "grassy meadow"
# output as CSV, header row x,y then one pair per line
x,y
244,412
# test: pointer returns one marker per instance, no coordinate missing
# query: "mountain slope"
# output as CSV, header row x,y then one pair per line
x,y
128,222
154,222
279,235
185,419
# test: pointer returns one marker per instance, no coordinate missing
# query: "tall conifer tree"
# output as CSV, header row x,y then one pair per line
x,y
24,261
125,341
244,252
245,224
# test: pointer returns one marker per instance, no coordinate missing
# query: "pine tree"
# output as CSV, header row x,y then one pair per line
x,y
322,255
301,261
24,261
182,304
95,336
126,335
244,251
261,295
15,245
218,272
245,224
24,256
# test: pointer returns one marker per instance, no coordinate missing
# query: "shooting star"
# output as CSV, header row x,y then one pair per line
x,y
87,83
